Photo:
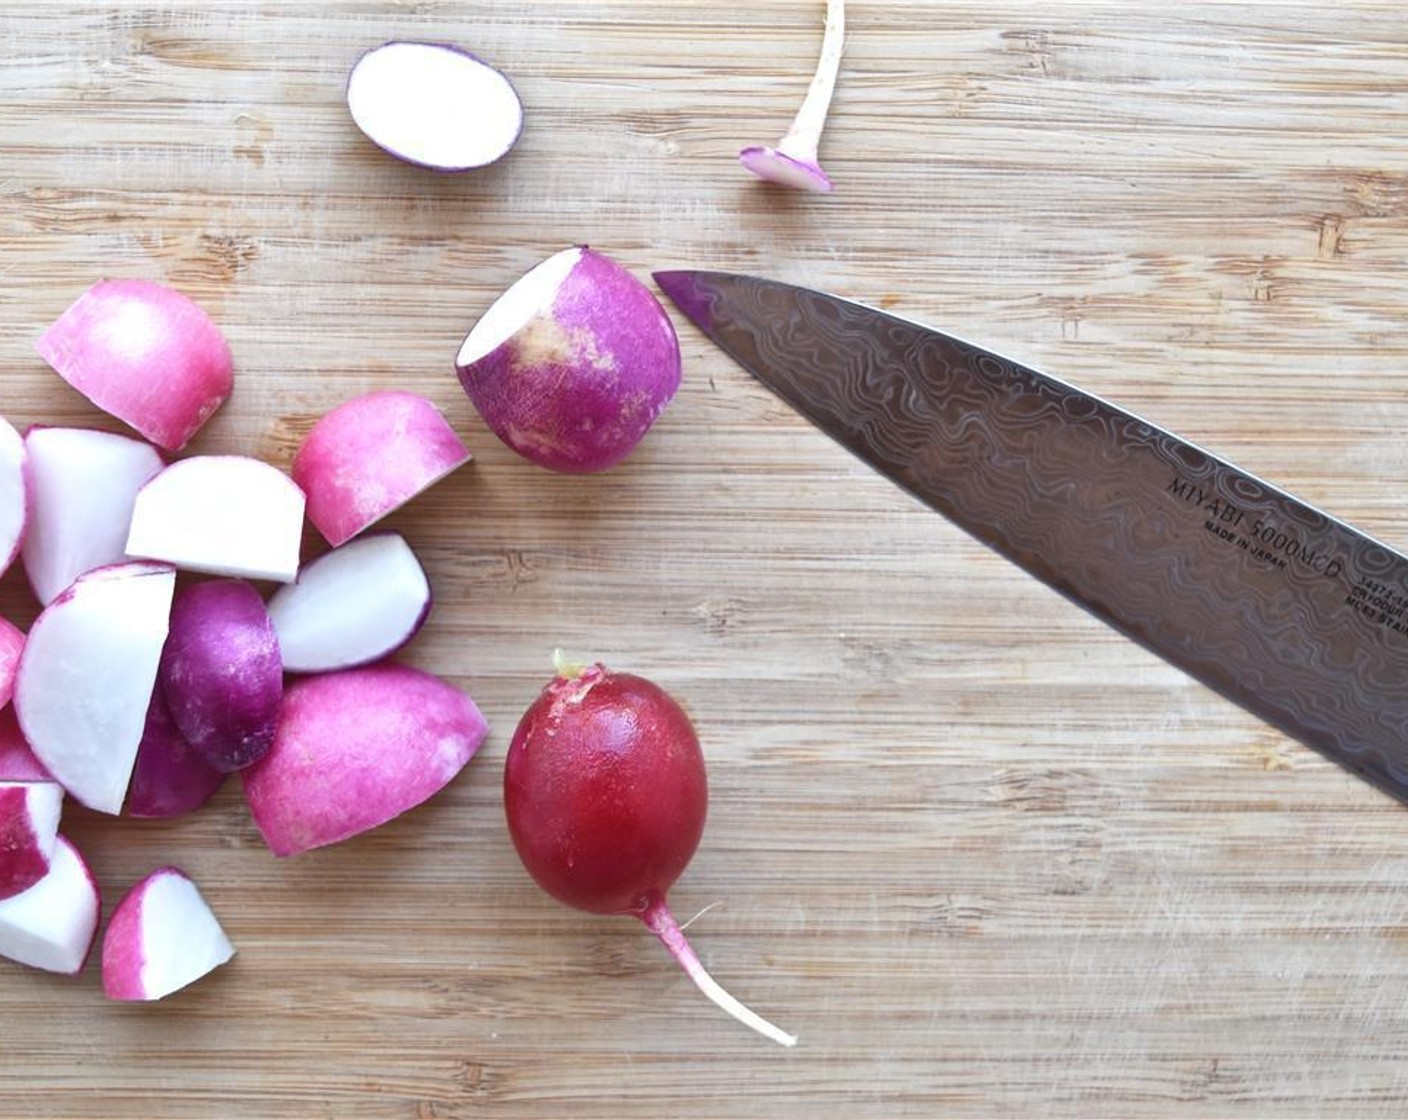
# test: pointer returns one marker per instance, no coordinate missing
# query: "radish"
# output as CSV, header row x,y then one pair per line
x,y
229,515
351,606
11,646
17,761
51,925
145,354
371,455
169,778
14,493
605,792
221,672
793,163
573,363
356,748
83,484
29,825
86,676
434,105
161,938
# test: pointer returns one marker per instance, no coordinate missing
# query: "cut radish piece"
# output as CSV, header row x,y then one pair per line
x,y
51,925
169,778
434,105
229,515
793,163
145,354
351,606
370,456
162,937
221,673
83,484
11,646
355,749
29,825
14,493
86,676
17,761
573,363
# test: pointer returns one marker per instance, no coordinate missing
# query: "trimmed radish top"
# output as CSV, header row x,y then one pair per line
x,y
434,105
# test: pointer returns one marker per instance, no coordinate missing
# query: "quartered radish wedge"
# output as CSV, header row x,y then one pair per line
x,y
51,925
162,937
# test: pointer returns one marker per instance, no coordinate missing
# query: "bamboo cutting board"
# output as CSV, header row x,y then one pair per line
x,y
985,857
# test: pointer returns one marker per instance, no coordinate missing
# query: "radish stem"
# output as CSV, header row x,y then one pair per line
x,y
661,922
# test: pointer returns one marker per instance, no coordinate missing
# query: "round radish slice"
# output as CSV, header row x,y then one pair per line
x,y
434,105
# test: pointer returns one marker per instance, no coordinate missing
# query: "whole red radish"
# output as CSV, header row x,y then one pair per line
x,y
606,794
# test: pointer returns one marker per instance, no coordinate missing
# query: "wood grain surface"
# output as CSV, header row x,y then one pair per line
x,y
985,857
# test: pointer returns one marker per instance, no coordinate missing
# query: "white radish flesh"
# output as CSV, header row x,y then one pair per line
x,y
227,515
14,493
51,925
17,761
434,105
86,676
169,778
29,825
351,606
83,486
793,163
355,749
145,354
371,455
161,938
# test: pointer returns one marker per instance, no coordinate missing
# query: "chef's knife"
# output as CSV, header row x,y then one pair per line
x,y
1297,616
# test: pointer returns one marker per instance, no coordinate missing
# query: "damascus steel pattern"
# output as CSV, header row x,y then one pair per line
x,y
1298,617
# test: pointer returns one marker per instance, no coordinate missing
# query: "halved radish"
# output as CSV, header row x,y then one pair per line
x,y
356,748
14,493
145,354
229,515
221,672
371,455
86,676
51,925
11,646
169,778
162,937
573,363
82,487
434,105
29,824
351,606
17,761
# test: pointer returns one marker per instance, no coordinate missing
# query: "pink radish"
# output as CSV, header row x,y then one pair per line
x,y
434,105
606,794
371,455
14,493
145,354
29,825
355,749
351,606
86,676
221,672
83,484
51,925
228,515
17,761
11,646
161,938
573,363
169,778
793,163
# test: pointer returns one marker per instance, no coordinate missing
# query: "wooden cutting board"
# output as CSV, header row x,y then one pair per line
x,y
985,857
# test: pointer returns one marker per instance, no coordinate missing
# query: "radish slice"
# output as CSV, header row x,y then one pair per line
x,y
573,363
355,749
434,105
86,676
793,163
51,925
371,455
221,673
161,938
169,779
229,515
14,493
11,646
351,606
29,825
145,354
17,761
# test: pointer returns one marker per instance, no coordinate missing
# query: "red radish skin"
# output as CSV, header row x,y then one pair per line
x,y
606,795
145,354
11,646
29,825
17,760
170,779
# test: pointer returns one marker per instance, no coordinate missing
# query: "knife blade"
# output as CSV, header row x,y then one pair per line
x,y
1293,614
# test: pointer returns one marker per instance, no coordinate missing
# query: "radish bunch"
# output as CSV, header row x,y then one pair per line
x,y
156,665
